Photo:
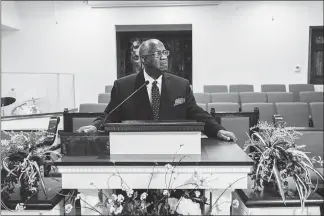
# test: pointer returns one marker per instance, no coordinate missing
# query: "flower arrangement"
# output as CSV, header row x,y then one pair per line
x,y
277,157
153,202
127,201
169,201
22,156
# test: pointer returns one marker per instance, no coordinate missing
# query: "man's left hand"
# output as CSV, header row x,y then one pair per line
x,y
226,135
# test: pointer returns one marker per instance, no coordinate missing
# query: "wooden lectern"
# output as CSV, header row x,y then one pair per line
x,y
140,151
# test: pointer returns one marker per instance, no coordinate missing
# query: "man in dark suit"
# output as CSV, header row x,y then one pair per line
x,y
166,97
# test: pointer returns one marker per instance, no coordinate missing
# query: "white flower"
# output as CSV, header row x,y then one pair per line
x,y
168,166
78,196
235,203
173,202
68,208
5,143
112,209
130,192
114,197
109,201
20,207
198,179
119,210
143,196
33,189
197,193
120,198
124,186
166,193
188,207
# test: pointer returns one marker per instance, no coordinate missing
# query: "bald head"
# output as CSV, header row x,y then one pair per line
x,y
152,58
150,46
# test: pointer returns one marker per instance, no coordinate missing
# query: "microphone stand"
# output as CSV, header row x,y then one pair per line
x,y
131,95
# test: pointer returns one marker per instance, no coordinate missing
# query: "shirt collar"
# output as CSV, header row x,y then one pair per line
x,y
151,80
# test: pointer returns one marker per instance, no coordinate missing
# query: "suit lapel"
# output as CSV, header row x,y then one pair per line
x,y
166,92
141,99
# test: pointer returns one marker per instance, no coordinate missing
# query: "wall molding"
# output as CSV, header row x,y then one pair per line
x,y
119,4
158,27
149,169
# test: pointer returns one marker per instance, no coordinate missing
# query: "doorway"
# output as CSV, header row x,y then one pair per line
x,y
316,55
176,38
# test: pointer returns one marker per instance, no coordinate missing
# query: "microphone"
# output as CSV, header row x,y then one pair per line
x,y
131,95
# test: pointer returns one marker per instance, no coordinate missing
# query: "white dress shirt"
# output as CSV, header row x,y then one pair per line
x,y
149,86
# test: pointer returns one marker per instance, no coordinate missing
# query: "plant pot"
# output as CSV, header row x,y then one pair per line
x,y
28,187
25,193
270,187
3,175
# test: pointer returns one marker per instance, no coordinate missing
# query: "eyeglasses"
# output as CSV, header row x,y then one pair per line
x,y
158,54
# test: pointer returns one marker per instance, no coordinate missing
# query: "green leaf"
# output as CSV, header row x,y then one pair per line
x,y
282,149
313,169
258,135
277,175
298,186
4,165
302,184
259,166
300,146
277,153
309,186
308,177
254,145
316,184
303,187
40,176
299,153
250,138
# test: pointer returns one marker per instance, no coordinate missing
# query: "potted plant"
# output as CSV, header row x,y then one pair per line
x,y
277,158
22,158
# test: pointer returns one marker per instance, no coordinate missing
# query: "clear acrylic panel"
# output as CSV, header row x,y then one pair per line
x,y
37,92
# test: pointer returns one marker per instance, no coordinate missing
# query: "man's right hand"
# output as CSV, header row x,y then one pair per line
x,y
87,129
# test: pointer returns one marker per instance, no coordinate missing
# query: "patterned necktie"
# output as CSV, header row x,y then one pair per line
x,y
155,100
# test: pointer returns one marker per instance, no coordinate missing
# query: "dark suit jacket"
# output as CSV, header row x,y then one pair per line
x,y
139,107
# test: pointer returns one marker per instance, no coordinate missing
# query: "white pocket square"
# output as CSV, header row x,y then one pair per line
x,y
179,101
